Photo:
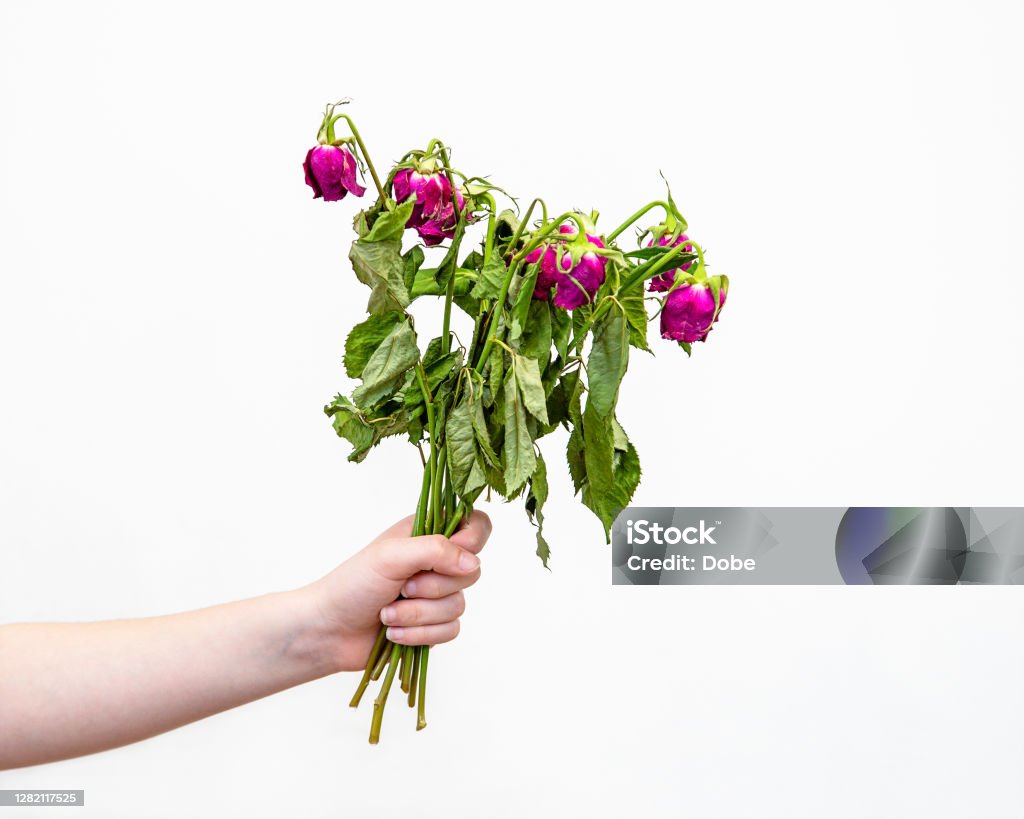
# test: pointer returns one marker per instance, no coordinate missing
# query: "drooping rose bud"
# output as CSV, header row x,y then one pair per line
x,y
331,173
575,285
663,281
690,311
433,215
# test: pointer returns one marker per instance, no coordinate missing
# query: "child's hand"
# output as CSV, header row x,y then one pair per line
x,y
430,571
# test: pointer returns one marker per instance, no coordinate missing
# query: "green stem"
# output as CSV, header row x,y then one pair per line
x,y
382,660
406,673
455,520
649,206
414,680
421,705
419,523
653,267
382,697
492,225
437,504
362,149
371,661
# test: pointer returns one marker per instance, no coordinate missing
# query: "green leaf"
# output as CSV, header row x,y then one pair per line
x,y
520,458
619,440
561,331
436,373
536,339
612,475
367,337
535,501
632,300
386,368
349,423
527,375
483,437
495,377
380,267
463,461
577,462
609,357
522,300
558,400
412,261
390,225
378,262
492,278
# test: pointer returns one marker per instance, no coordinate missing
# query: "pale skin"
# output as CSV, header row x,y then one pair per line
x,y
69,689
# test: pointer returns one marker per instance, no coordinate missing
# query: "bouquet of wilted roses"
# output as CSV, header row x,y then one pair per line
x,y
536,292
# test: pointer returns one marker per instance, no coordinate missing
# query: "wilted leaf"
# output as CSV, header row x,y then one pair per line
x,y
367,337
386,368
520,459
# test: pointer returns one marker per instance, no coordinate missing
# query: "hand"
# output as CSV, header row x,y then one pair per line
x,y
429,571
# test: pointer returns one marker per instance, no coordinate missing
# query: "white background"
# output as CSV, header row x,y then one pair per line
x,y
172,315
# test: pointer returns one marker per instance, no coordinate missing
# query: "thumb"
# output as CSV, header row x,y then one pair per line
x,y
400,558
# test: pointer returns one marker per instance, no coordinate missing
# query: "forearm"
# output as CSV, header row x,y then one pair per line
x,y
68,689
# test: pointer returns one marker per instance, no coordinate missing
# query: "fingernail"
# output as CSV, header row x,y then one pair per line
x,y
395,634
410,589
387,614
468,561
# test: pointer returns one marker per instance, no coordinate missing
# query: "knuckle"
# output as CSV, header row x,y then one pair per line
x,y
428,587
437,545
415,614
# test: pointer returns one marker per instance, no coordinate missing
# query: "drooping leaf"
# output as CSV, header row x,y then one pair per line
x,y
561,332
378,263
558,400
536,338
575,457
483,437
350,423
612,475
386,369
632,300
367,337
390,224
412,261
463,461
520,458
522,299
491,279
527,376
535,501
609,356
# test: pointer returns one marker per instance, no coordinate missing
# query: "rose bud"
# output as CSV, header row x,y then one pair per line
x,y
689,312
575,285
663,281
331,173
433,214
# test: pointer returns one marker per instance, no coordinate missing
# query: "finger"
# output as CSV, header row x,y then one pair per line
x,y
474,532
422,612
400,558
401,529
433,585
424,635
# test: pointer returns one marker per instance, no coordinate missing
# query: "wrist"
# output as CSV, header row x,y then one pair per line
x,y
312,643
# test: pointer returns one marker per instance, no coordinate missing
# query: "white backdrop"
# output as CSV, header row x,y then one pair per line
x,y
172,316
